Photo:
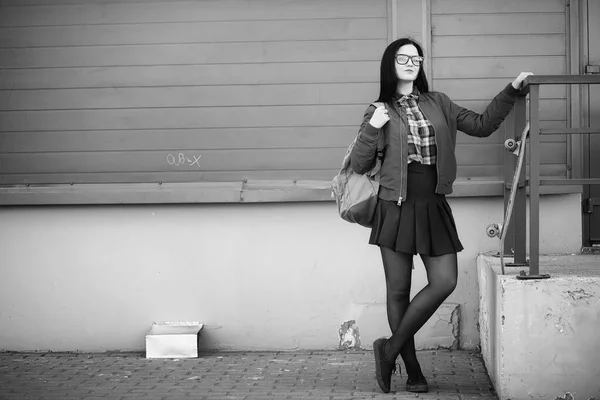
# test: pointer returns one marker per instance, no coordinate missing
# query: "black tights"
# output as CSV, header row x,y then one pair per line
x,y
406,317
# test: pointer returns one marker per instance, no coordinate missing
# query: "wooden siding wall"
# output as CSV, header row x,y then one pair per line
x,y
176,91
479,46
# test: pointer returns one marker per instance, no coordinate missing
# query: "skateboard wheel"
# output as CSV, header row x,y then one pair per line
x,y
510,144
493,230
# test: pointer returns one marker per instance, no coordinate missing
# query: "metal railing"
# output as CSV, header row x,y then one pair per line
x,y
516,232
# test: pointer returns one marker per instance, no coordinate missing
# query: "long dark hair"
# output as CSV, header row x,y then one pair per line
x,y
388,80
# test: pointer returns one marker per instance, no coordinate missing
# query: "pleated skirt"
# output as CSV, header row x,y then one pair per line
x,y
422,224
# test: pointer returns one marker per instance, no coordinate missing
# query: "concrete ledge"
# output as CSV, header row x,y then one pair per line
x,y
539,338
248,191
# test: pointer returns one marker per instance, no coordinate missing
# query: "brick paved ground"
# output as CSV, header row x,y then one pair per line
x,y
453,375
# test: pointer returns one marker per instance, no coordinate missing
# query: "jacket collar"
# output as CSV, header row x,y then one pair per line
x,y
414,95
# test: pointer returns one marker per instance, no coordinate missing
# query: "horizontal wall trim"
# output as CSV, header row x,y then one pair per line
x,y
186,54
188,75
331,93
481,172
157,43
90,13
192,32
226,192
494,6
229,96
43,3
187,21
221,117
46,3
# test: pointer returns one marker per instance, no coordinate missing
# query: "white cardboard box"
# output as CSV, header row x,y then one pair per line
x,y
173,340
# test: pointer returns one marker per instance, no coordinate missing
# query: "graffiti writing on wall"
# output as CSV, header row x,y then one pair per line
x,y
182,159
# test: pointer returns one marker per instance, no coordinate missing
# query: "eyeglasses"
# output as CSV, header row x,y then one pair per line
x,y
402,59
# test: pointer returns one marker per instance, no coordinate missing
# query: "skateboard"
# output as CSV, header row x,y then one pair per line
x,y
518,148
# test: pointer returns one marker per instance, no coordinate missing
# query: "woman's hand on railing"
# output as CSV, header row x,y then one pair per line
x,y
518,82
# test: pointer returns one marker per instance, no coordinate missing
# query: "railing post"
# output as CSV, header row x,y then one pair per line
x,y
519,213
532,85
534,180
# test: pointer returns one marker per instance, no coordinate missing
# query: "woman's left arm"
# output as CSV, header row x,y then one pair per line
x,y
489,121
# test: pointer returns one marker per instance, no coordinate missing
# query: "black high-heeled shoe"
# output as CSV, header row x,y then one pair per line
x,y
417,385
383,368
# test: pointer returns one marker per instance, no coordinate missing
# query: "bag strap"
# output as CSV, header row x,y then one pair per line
x,y
381,138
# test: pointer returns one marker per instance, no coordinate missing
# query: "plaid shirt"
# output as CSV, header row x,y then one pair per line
x,y
421,139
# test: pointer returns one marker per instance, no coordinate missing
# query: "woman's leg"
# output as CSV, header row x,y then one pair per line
x,y
442,274
398,274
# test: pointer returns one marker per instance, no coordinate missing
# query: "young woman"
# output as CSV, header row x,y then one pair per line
x,y
412,215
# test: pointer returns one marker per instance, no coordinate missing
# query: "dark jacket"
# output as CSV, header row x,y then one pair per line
x,y
446,118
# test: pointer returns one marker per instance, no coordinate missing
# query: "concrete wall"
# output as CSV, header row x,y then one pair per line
x,y
260,276
539,338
